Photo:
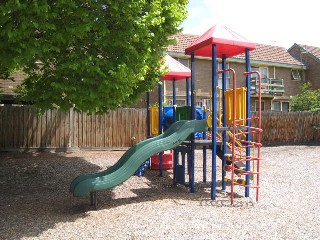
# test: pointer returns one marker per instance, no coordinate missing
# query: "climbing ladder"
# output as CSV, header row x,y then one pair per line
x,y
242,151
248,152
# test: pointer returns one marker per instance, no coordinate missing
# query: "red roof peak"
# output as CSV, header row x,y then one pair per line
x,y
177,70
227,42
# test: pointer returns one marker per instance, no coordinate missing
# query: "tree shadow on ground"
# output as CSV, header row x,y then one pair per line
x,y
34,191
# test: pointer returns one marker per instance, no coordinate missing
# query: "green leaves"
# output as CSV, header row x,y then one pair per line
x,y
307,100
90,55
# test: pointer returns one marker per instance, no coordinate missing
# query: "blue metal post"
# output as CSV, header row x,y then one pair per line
x,y
248,122
174,102
204,150
214,123
192,117
160,124
188,91
224,119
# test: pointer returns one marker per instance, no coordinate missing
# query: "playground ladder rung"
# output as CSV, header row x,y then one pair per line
x,y
252,144
248,132
242,154
242,185
245,146
247,173
240,158
242,171
247,186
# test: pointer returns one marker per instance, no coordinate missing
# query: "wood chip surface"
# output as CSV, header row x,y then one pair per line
x,y
35,202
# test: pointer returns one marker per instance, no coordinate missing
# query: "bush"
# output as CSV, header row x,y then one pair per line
x,y
307,100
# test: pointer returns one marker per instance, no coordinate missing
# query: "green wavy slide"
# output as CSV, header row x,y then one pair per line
x,y
83,185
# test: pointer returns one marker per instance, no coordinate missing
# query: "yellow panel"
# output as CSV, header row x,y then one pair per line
x,y
241,94
154,120
209,120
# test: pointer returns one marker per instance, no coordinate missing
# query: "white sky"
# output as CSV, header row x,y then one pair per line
x,y
273,22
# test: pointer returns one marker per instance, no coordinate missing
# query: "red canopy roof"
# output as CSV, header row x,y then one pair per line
x,y
227,42
177,70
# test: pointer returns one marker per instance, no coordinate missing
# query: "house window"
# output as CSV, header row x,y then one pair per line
x,y
207,103
184,62
280,106
295,75
276,106
285,107
256,107
263,71
254,69
181,102
220,76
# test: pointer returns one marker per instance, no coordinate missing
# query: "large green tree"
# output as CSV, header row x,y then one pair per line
x,y
88,54
307,100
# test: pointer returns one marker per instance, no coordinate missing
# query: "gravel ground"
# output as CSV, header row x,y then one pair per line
x,y
35,202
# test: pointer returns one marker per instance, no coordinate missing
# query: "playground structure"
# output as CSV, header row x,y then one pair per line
x,y
221,42
235,135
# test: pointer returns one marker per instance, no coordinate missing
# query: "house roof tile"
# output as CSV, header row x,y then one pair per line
x,y
269,53
266,53
315,51
182,42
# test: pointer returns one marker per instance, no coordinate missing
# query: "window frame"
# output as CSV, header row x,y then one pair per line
x,y
259,68
273,109
281,105
256,105
181,60
296,77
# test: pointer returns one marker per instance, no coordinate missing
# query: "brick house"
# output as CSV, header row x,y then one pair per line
x,y
277,67
310,57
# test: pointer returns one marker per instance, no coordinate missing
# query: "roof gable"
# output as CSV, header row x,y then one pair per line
x,y
314,51
263,52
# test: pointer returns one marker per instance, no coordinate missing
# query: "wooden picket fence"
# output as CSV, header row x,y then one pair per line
x,y
21,127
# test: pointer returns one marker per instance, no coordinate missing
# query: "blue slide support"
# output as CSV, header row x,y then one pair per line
x,y
174,98
204,152
214,123
191,159
188,91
